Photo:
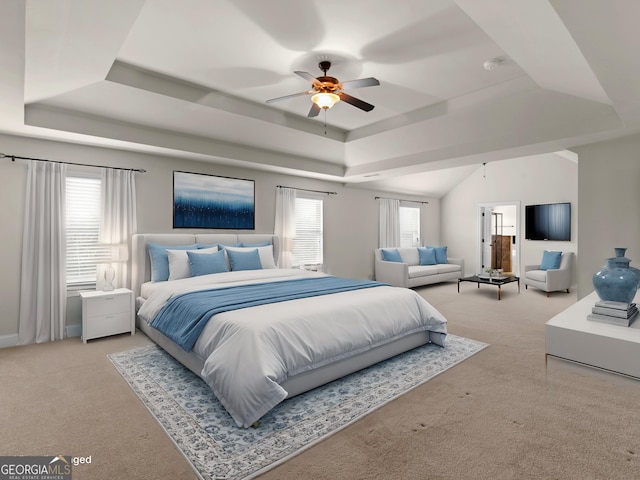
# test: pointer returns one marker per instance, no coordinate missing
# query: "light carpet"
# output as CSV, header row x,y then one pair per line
x,y
217,449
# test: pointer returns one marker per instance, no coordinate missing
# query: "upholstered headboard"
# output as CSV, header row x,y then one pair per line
x,y
141,264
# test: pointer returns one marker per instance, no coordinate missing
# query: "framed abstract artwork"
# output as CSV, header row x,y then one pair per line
x,y
209,201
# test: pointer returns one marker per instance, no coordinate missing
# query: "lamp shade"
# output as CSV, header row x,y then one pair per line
x,y
325,100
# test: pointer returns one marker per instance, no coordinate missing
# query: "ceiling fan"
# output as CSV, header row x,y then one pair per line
x,y
327,91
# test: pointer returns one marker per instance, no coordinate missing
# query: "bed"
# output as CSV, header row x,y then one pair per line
x,y
299,329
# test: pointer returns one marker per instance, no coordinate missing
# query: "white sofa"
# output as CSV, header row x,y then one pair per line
x,y
410,273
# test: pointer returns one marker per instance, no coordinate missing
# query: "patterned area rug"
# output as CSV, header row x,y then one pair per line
x,y
207,436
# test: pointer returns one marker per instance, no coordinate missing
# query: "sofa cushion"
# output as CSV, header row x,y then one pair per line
x,y
550,260
409,255
391,255
422,270
537,275
427,256
448,267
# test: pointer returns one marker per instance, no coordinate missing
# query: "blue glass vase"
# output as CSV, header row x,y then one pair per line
x,y
616,281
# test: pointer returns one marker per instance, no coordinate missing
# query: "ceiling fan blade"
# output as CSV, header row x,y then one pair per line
x,y
288,96
356,102
308,76
315,110
361,82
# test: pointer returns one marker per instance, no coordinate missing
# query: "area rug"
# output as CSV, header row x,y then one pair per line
x,y
217,449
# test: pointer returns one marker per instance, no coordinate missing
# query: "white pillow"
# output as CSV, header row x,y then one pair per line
x,y
179,262
265,253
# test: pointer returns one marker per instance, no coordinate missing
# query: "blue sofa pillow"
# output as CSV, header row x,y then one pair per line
x,y
391,255
160,259
206,263
247,260
427,255
550,260
441,254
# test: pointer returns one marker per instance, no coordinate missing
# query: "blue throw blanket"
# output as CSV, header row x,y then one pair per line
x,y
184,316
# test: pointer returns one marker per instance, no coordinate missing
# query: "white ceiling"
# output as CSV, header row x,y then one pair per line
x,y
190,79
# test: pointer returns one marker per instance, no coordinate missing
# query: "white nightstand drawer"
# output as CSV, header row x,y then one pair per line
x,y
108,325
108,305
107,313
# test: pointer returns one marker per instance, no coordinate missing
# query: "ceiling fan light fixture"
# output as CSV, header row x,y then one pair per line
x,y
325,100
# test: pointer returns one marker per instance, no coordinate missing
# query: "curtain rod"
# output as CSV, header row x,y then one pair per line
x,y
401,200
307,190
13,159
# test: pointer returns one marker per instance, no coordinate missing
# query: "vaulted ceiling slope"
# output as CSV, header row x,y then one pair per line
x,y
190,79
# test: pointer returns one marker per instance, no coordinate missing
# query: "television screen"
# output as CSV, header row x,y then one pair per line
x,y
548,222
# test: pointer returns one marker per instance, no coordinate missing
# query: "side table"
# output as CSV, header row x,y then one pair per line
x,y
107,313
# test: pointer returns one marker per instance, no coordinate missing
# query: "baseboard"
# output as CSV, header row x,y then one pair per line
x,y
8,340
74,330
12,340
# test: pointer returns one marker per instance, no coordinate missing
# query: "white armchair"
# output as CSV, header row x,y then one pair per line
x,y
550,280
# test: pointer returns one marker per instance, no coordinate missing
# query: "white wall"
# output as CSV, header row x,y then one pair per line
x,y
350,218
609,195
538,179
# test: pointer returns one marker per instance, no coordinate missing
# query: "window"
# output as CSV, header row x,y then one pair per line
x,y
409,226
308,245
83,230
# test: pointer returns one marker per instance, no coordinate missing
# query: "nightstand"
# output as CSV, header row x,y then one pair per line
x,y
107,313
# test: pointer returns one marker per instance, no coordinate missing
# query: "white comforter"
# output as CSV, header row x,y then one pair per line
x,y
249,352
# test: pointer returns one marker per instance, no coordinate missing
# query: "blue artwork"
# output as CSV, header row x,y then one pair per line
x,y
206,201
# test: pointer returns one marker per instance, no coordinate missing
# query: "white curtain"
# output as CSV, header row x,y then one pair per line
x,y
285,224
389,223
43,290
118,218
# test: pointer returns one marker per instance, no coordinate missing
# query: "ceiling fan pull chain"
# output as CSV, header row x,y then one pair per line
x,y
325,122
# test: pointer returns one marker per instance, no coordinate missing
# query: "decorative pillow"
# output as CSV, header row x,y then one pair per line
x,y
441,254
235,245
244,260
427,255
179,262
205,245
206,263
160,261
254,245
391,255
550,260
265,253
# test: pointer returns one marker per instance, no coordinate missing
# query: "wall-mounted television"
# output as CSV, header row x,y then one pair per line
x,y
551,221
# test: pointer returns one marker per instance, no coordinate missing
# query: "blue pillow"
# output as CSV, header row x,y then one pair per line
x,y
391,255
206,263
427,255
160,260
550,260
221,246
261,244
441,254
249,260
205,245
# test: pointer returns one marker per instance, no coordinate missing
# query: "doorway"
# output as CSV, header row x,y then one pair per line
x,y
499,239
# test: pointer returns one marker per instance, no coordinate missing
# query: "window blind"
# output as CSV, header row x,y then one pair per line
x,y
409,226
83,230
308,243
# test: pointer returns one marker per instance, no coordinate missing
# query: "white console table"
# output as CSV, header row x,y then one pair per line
x,y
569,335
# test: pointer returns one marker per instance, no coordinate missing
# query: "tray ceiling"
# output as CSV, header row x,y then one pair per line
x,y
190,79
